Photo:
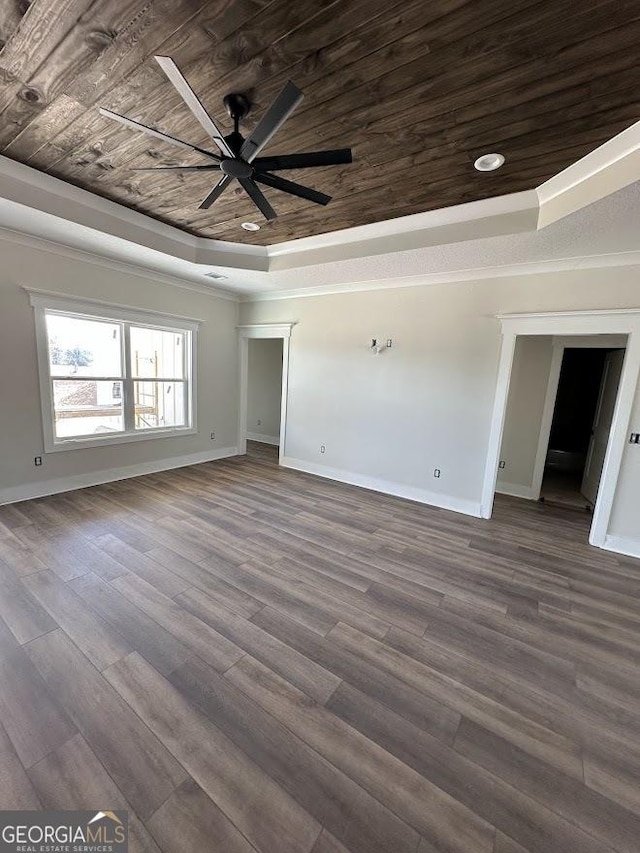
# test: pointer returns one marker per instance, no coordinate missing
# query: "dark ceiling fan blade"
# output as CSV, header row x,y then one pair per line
x,y
193,102
216,192
258,198
304,161
271,121
177,169
150,131
292,188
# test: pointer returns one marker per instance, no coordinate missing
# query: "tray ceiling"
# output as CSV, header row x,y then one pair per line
x,y
418,91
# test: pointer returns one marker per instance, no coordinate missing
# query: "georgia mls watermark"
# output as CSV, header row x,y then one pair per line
x,y
64,832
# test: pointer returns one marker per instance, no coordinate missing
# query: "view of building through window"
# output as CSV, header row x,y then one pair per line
x,y
102,386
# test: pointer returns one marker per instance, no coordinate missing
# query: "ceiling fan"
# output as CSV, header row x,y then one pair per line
x,y
239,156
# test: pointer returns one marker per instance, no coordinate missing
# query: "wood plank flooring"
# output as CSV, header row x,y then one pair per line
x,y
253,660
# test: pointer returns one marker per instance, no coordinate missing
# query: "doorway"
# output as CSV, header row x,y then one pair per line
x,y
274,428
264,390
582,416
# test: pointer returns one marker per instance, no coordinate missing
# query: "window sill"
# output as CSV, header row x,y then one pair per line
x,y
122,438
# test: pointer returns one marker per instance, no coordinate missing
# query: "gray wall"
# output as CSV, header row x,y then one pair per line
x,y
20,418
388,421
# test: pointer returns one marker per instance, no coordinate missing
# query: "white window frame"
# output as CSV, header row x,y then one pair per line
x,y
45,302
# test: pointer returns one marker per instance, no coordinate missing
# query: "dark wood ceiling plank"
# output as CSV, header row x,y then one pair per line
x,y
417,91
43,28
187,26
296,45
202,62
394,100
47,74
620,42
150,31
394,44
143,143
358,189
434,193
356,185
545,94
11,13
575,121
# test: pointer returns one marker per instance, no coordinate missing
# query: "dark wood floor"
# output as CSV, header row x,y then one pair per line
x,y
252,659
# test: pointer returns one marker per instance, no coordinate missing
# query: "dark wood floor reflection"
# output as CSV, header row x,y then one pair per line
x,y
253,659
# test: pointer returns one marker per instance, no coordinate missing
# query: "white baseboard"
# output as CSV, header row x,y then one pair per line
x,y
622,545
96,478
263,439
516,491
388,487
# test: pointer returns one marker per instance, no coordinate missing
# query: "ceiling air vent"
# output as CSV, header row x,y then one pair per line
x,y
215,275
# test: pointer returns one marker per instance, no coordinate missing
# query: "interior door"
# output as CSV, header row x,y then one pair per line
x,y
602,424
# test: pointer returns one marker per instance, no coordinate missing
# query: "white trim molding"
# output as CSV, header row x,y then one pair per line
x,y
43,488
622,545
387,487
506,270
611,166
515,490
266,330
274,440
43,207
569,323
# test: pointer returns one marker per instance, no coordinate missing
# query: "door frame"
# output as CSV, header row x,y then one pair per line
x,y
245,334
560,344
572,324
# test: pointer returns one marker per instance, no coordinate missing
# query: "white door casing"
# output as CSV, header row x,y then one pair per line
x,y
570,323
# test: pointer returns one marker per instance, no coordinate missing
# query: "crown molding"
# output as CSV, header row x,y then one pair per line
x,y
111,264
613,165
621,259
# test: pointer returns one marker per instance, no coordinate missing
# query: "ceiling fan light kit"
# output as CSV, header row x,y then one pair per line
x,y
238,158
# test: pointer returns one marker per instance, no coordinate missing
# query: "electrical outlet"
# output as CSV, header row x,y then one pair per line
x,y
37,461
389,343
213,436
322,448
635,438
436,473
502,464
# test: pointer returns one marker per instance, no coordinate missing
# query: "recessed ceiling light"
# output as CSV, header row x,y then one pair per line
x,y
250,226
489,162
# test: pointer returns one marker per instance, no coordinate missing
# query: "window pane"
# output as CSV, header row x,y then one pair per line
x,y
79,347
87,407
157,353
159,404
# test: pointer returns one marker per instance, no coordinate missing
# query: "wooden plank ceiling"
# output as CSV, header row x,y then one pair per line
x,y
418,90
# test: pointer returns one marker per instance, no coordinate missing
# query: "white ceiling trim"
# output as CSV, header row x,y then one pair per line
x,y
111,264
75,222
620,259
613,165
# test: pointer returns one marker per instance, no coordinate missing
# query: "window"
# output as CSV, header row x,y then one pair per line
x,y
112,375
